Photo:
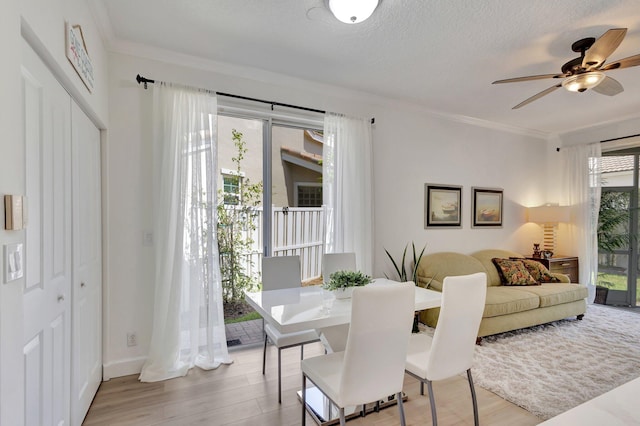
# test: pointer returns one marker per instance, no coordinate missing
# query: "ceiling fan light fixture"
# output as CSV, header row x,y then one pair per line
x,y
352,11
584,81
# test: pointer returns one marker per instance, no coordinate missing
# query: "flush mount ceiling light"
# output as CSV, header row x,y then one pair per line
x,y
582,82
352,11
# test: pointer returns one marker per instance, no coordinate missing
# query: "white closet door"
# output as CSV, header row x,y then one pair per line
x,y
86,352
47,290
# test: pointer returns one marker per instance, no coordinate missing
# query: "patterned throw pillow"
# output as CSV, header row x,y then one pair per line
x,y
539,272
513,272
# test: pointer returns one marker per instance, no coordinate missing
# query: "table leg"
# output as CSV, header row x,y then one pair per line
x,y
324,413
334,338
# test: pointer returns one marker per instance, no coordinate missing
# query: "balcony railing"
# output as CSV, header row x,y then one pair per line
x,y
295,231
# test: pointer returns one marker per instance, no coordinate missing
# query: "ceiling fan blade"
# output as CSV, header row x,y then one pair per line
x,y
537,96
529,77
631,61
603,47
609,87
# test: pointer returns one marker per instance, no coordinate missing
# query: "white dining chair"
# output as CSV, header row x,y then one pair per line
x,y
450,351
372,365
332,262
281,272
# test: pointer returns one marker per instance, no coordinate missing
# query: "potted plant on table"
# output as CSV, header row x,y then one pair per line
x,y
341,283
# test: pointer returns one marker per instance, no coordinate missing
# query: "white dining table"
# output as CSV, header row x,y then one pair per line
x,y
311,307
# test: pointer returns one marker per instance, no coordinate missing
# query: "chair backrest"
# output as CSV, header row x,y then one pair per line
x,y
376,350
454,340
332,262
280,272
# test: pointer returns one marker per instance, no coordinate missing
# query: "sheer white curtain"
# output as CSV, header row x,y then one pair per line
x,y
581,183
347,187
188,319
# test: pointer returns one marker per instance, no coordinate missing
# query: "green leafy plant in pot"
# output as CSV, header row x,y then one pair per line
x,y
343,282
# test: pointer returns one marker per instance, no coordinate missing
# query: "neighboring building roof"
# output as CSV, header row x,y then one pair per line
x,y
611,164
302,158
316,135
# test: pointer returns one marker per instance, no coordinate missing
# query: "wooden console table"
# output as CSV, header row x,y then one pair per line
x,y
567,265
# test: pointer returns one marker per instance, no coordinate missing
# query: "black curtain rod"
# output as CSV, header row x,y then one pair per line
x,y
620,138
614,139
140,79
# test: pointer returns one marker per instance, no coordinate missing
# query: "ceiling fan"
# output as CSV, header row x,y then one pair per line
x,y
586,71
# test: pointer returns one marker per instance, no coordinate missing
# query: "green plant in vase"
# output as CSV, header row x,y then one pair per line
x,y
342,282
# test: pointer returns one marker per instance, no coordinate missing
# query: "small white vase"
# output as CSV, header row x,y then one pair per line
x,y
343,293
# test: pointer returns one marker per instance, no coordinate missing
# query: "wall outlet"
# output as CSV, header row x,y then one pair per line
x,y
132,339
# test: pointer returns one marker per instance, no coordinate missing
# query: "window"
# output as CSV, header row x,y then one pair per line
x,y
231,182
308,194
231,190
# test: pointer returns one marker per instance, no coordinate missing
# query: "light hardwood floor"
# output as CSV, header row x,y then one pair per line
x,y
238,394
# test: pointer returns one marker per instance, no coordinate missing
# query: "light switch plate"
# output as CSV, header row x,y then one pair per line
x,y
13,212
13,262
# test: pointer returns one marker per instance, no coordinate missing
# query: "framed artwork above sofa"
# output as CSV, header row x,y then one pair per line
x,y
486,207
442,206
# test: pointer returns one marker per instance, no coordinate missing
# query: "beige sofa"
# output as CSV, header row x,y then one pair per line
x,y
507,307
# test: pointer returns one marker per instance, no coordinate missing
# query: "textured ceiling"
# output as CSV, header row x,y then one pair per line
x,y
441,54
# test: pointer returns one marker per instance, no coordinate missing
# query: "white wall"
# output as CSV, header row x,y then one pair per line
x,y
416,149
411,147
11,182
42,22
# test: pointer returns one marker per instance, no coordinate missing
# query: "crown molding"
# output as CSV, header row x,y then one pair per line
x,y
602,124
190,61
492,125
115,45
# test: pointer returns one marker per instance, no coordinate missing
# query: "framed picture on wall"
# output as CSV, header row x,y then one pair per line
x,y
442,206
486,207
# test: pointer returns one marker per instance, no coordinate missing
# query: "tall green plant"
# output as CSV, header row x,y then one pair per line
x,y
403,273
613,221
236,224
613,230
401,268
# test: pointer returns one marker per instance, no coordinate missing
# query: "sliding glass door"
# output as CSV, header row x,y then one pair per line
x,y
297,226
618,229
240,201
269,202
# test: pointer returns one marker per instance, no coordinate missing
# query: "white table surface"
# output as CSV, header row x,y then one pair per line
x,y
618,407
304,308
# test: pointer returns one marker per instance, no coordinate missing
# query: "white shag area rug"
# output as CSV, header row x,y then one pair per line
x,y
551,368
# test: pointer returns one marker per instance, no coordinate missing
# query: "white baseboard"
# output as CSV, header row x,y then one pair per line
x,y
121,368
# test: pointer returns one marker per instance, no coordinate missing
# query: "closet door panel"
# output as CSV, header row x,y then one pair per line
x,y
87,264
47,292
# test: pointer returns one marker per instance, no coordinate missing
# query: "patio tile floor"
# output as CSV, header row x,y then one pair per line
x,y
247,332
